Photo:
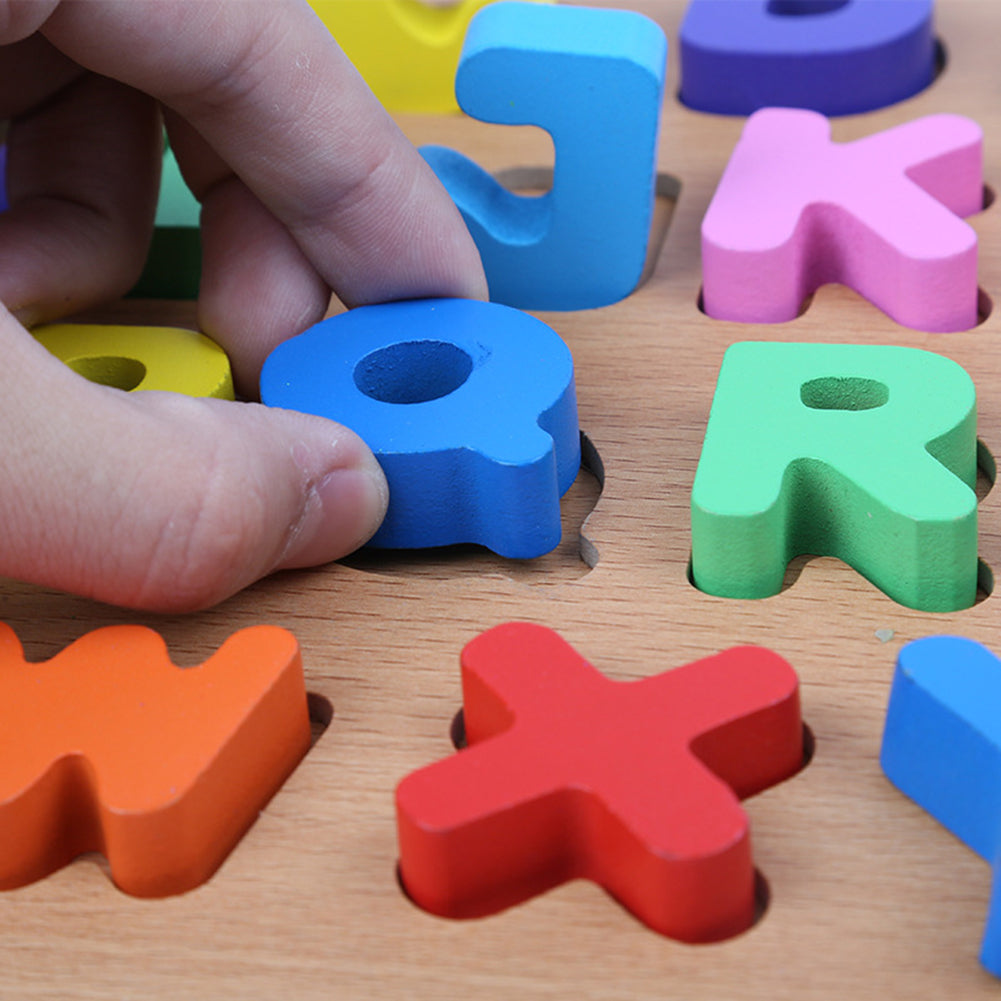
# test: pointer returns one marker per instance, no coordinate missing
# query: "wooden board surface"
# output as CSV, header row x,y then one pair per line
x,y
868,896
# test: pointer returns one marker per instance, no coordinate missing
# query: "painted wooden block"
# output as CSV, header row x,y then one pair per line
x,y
173,265
134,358
839,57
942,747
634,785
794,211
406,50
862,452
470,408
109,747
594,80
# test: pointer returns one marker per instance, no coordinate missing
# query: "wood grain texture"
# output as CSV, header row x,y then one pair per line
x,y
869,897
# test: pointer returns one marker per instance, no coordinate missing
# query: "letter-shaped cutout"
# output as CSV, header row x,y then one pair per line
x,y
861,452
794,211
406,50
942,748
470,408
839,57
109,747
593,79
635,785
139,358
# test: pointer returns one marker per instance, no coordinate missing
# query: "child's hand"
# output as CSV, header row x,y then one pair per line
x,y
151,500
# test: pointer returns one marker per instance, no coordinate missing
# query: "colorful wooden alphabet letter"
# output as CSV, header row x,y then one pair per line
x,y
594,80
942,747
108,747
470,408
633,785
134,358
406,50
794,211
839,57
861,452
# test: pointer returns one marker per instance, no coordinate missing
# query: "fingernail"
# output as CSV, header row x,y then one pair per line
x,y
342,512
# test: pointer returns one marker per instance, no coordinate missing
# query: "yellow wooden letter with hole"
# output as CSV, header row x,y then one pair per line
x,y
132,358
407,50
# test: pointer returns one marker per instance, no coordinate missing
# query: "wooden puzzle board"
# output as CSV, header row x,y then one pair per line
x,y
868,896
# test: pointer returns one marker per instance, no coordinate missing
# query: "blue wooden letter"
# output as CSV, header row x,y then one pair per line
x,y
593,79
942,747
469,407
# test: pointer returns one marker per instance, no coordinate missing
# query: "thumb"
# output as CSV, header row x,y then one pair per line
x,y
165,502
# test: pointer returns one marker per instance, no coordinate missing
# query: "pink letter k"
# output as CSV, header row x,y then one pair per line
x,y
795,211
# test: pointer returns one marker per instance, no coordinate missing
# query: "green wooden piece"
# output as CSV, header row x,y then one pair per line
x,y
174,262
862,452
177,206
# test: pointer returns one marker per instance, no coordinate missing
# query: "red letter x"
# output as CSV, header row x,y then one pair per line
x,y
633,785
